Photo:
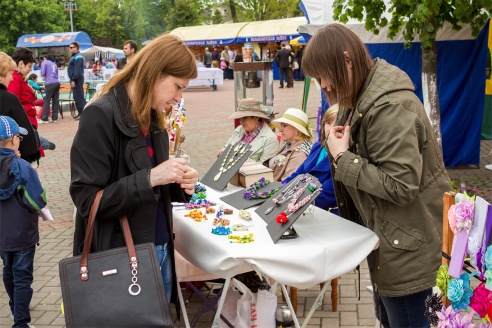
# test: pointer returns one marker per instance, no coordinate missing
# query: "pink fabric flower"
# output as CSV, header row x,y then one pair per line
x,y
452,219
481,300
464,211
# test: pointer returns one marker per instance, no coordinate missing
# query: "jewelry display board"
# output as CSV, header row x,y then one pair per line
x,y
227,165
293,199
238,200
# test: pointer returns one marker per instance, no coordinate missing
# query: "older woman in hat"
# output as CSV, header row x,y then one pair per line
x,y
254,130
295,146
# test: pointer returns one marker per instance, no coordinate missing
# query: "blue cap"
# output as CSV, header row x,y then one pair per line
x,y
9,128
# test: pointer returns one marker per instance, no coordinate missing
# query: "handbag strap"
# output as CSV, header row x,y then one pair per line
x,y
132,254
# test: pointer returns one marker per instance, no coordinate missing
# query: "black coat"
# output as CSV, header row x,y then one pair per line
x,y
11,106
109,152
284,58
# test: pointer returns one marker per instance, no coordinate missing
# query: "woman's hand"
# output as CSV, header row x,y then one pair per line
x,y
171,171
220,152
338,139
189,180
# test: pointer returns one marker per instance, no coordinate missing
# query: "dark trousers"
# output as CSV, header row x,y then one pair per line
x,y
18,267
284,72
208,65
78,95
52,93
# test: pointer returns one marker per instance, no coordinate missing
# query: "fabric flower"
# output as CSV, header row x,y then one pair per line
x,y
459,292
432,306
481,300
442,279
452,219
464,211
488,265
446,317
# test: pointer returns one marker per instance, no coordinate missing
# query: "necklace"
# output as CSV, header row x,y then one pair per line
x,y
251,192
229,162
294,205
288,192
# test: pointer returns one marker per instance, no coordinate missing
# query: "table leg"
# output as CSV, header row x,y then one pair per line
x,y
289,304
216,322
183,306
317,302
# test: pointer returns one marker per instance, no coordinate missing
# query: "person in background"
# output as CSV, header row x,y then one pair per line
x,y
238,57
253,129
283,59
12,107
21,198
36,66
49,71
102,60
215,58
299,76
109,64
76,76
318,165
129,50
388,169
97,69
32,79
224,56
122,146
232,58
295,146
223,67
207,58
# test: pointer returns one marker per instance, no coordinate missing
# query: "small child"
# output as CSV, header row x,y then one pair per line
x,y
21,198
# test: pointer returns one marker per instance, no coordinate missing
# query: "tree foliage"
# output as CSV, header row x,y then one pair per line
x,y
19,17
184,13
258,10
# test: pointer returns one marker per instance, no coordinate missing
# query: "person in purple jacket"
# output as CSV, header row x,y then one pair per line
x,y
21,198
318,165
49,71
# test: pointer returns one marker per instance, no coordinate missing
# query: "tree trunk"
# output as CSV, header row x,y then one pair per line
x,y
429,89
233,11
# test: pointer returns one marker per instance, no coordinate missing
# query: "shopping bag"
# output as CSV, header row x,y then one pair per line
x,y
120,287
266,306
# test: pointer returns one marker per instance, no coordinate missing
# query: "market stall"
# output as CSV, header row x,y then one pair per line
x,y
327,247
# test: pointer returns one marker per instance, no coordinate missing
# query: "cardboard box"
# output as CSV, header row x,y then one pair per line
x,y
251,172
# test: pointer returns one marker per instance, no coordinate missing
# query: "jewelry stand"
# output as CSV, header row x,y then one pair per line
x,y
238,201
226,166
277,230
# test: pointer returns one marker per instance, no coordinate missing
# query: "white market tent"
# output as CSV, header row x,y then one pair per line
x,y
202,35
98,49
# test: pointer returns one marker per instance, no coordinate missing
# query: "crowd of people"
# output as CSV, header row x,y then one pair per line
x,y
377,160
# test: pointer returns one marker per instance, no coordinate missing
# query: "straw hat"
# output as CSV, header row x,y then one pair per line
x,y
295,117
251,107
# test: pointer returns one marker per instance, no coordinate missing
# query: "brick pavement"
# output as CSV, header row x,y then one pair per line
x,y
208,128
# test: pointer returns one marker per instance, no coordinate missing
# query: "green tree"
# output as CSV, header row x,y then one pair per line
x,y
184,13
257,10
422,18
217,17
19,17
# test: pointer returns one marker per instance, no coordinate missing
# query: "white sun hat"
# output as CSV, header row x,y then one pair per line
x,y
295,117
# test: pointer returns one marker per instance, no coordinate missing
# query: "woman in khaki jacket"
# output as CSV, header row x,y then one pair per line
x,y
295,146
387,168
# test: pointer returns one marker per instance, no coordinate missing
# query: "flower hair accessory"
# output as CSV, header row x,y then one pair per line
x,y
432,306
464,211
442,279
488,265
459,292
481,300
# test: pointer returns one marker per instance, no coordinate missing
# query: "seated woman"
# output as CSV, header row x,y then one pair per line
x,y
32,79
318,165
254,130
295,146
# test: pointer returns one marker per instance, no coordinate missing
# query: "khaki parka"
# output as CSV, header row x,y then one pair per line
x,y
393,175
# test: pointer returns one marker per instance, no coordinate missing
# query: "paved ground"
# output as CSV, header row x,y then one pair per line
x,y
208,128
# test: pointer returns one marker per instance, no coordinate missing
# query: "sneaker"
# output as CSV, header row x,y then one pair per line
x,y
488,167
30,326
54,121
43,121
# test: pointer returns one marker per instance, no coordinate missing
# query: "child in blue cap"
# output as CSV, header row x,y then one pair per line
x,y
21,198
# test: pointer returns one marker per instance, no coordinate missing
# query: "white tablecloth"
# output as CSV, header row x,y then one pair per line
x,y
205,76
328,246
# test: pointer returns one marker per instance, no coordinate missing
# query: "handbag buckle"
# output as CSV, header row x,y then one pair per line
x,y
84,274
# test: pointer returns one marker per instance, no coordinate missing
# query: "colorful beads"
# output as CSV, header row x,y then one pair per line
x,y
312,187
228,211
196,215
221,231
242,240
210,210
199,203
221,222
245,215
239,227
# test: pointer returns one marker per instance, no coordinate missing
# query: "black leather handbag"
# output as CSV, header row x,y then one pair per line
x,y
120,287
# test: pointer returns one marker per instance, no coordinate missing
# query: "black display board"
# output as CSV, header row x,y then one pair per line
x,y
276,230
238,201
236,155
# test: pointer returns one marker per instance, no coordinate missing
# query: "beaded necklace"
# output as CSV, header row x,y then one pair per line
x,y
288,192
251,192
294,205
229,162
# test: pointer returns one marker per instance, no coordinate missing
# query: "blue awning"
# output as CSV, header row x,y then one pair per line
x,y
62,39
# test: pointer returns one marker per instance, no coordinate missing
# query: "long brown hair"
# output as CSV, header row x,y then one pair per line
x,y
166,55
324,59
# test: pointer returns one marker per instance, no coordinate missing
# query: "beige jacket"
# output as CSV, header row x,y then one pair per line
x,y
288,162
